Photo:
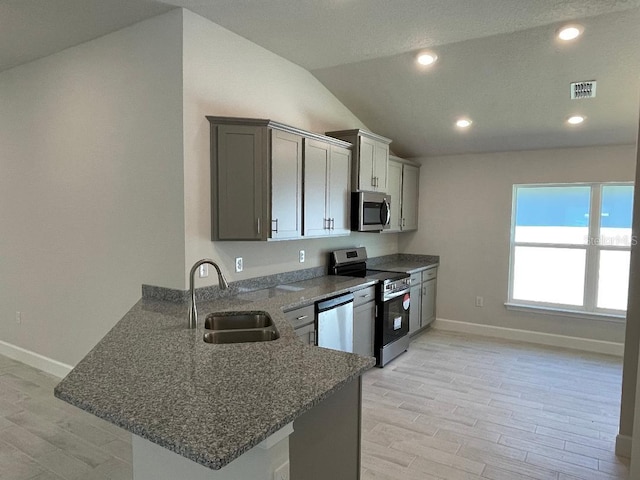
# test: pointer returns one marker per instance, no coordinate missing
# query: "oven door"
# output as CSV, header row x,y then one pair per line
x,y
394,317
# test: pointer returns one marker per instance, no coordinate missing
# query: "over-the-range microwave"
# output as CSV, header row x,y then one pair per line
x,y
370,211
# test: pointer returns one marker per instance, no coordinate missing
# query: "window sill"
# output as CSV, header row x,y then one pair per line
x,y
607,317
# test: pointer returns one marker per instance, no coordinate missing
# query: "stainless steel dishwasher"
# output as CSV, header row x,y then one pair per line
x,y
335,323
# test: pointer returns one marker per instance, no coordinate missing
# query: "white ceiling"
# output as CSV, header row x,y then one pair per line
x,y
498,62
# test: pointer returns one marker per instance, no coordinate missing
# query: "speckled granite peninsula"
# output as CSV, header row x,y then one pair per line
x,y
156,378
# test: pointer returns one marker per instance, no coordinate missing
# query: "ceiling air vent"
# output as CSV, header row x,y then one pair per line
x,y
583,90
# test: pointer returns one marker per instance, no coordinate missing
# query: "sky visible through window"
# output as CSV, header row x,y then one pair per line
x,y
554,238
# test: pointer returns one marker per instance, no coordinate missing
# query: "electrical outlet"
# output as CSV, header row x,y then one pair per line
x,y
203,271
239,264
282,472
479,301
301,256
18,317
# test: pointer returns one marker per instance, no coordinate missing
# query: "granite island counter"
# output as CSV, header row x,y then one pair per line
x,y
158,379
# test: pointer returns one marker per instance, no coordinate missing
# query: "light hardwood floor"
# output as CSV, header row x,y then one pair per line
x,y
454,407
465,407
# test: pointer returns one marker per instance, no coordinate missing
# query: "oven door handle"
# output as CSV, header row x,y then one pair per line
x,y
396,294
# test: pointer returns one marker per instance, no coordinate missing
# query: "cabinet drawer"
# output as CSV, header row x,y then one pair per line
x,y
301,316
363,296
429,274
416,278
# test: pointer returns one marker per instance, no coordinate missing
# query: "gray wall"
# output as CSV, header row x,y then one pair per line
x,y
91,196
465,217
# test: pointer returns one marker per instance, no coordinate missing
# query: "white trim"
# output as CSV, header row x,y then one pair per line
x,y
35,360
563,312
586,344
623,446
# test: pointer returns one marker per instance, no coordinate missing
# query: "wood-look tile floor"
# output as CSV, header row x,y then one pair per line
x,y
454,407
43,438
460,407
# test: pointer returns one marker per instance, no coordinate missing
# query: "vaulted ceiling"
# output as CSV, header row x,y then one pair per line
x,y
499,62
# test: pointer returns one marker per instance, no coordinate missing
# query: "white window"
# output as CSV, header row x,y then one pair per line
x,y
570,246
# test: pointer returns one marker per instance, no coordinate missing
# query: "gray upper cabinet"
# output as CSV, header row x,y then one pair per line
x,y
370,159
286,185
326,189
257,180
404,179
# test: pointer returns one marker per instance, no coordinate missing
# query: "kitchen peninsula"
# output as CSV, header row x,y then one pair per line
x,y
228,409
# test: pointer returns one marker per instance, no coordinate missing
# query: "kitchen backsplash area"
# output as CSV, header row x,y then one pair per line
x,y
212,292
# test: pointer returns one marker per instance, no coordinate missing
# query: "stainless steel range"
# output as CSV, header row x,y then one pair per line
x,y
392,301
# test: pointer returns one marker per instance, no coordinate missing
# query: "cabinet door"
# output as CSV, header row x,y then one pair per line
x,y
394,188
237,173
363,328
366,153
286,185
415,311
307,334
339,192
380,166
410,182
316,165
428,302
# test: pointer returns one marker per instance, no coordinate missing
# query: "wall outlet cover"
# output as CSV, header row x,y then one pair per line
x,y
239,264
203,271
301,256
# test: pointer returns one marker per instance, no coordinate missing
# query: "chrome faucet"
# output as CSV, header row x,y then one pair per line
x,y
222,283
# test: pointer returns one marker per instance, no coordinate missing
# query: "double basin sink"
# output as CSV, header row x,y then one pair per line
x,y
239,327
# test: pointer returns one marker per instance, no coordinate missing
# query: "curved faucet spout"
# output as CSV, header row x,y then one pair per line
x,y
222,283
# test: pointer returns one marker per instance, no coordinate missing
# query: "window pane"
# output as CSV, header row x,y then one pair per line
x,y
613,279
552,214
550,275
615,215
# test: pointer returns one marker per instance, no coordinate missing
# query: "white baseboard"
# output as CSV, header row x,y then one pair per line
x,y
35,360
586,344
623,446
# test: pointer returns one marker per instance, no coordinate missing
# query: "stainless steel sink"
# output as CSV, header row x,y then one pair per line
x,y
240,336
239,327
237,320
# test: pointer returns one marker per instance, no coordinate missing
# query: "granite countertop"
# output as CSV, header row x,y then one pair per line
x,y
407,265
156,378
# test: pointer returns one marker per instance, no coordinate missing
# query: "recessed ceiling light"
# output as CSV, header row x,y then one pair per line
x,y
575,120
426,58
570,32
463,123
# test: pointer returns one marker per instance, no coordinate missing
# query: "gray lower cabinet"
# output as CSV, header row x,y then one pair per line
x,y
327,195
429,279
325,443
304,323
415,311
423,299
364,316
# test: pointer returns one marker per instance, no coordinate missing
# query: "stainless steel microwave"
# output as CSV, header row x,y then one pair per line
x,y
370,211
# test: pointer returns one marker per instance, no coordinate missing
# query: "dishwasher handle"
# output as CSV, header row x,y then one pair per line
x,y
330,303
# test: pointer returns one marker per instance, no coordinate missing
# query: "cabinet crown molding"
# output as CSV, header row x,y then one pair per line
x,y
359,132
267,123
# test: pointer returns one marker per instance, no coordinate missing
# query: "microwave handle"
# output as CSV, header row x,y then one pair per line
x,y
385,213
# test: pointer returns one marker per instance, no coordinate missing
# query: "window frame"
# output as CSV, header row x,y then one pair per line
x,y
592,250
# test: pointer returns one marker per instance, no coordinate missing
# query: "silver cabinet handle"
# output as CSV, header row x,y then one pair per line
x,y
258,222
302,317
333,224
365,296
276,228
326,223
